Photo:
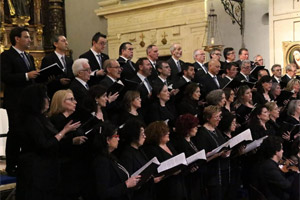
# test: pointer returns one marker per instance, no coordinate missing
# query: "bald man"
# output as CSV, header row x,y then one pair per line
x,y
211,81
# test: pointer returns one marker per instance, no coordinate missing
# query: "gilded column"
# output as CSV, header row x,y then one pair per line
x,y
55,21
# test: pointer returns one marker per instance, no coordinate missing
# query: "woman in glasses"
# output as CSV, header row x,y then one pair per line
x,y
62,108
209,138
111,179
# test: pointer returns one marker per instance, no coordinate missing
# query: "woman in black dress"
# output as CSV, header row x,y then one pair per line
x,y
95,103
39,164
263,94
209,138
160,108
158,145
132,103
186,128
112,180
73,158
243,105
133,158
190,102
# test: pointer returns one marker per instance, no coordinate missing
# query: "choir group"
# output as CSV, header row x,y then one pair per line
x,y
81,129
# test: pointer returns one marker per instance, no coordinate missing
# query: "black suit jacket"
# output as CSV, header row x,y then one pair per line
x,y
106,82
274,80
224,81
272,182
199,72
285,79
179,83
154,73
93,60
174,70
127,72
240,77
55,85
80,93
141,88
208,84
13,69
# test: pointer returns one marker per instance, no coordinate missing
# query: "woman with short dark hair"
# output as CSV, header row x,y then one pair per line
x,y
133,157
132,103
112,180
158,145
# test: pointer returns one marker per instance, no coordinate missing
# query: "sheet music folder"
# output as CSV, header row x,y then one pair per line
x,y
148,170
45,73
172,165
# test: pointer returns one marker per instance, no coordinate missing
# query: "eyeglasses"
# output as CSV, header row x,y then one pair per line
x,y
86,70
70,99
102,43
115,136
117,67
218,117
218,54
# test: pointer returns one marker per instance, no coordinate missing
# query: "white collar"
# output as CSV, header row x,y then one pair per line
x,y
81,81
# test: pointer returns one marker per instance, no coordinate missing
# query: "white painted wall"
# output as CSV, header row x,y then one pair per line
x,y
81,24
256,37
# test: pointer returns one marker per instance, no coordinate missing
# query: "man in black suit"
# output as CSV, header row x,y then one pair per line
x,y
188,75
164,71
152,55
271,181
243,75
229,54
215,54
17,72
291,71
96,57
200,69
113,72
244,55
126,54
144,87
276,71
231,70
81,70
175,63
210,81
65,63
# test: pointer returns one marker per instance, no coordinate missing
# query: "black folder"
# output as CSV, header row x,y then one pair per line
x,y
45,73
284,95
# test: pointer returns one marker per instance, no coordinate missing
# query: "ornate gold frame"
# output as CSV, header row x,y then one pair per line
x,y
288,49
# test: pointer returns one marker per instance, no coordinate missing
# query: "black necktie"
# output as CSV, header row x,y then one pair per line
x,y
25,60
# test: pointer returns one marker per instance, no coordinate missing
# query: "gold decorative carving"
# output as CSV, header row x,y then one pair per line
x,y
291,54
142,43
161,22
164,40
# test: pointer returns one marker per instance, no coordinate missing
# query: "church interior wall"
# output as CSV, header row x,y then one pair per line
x,y
81,24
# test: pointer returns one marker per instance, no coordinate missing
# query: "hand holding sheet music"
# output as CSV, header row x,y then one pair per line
x,y
172,165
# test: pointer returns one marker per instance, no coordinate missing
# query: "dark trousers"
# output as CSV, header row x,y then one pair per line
x,y
12,149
